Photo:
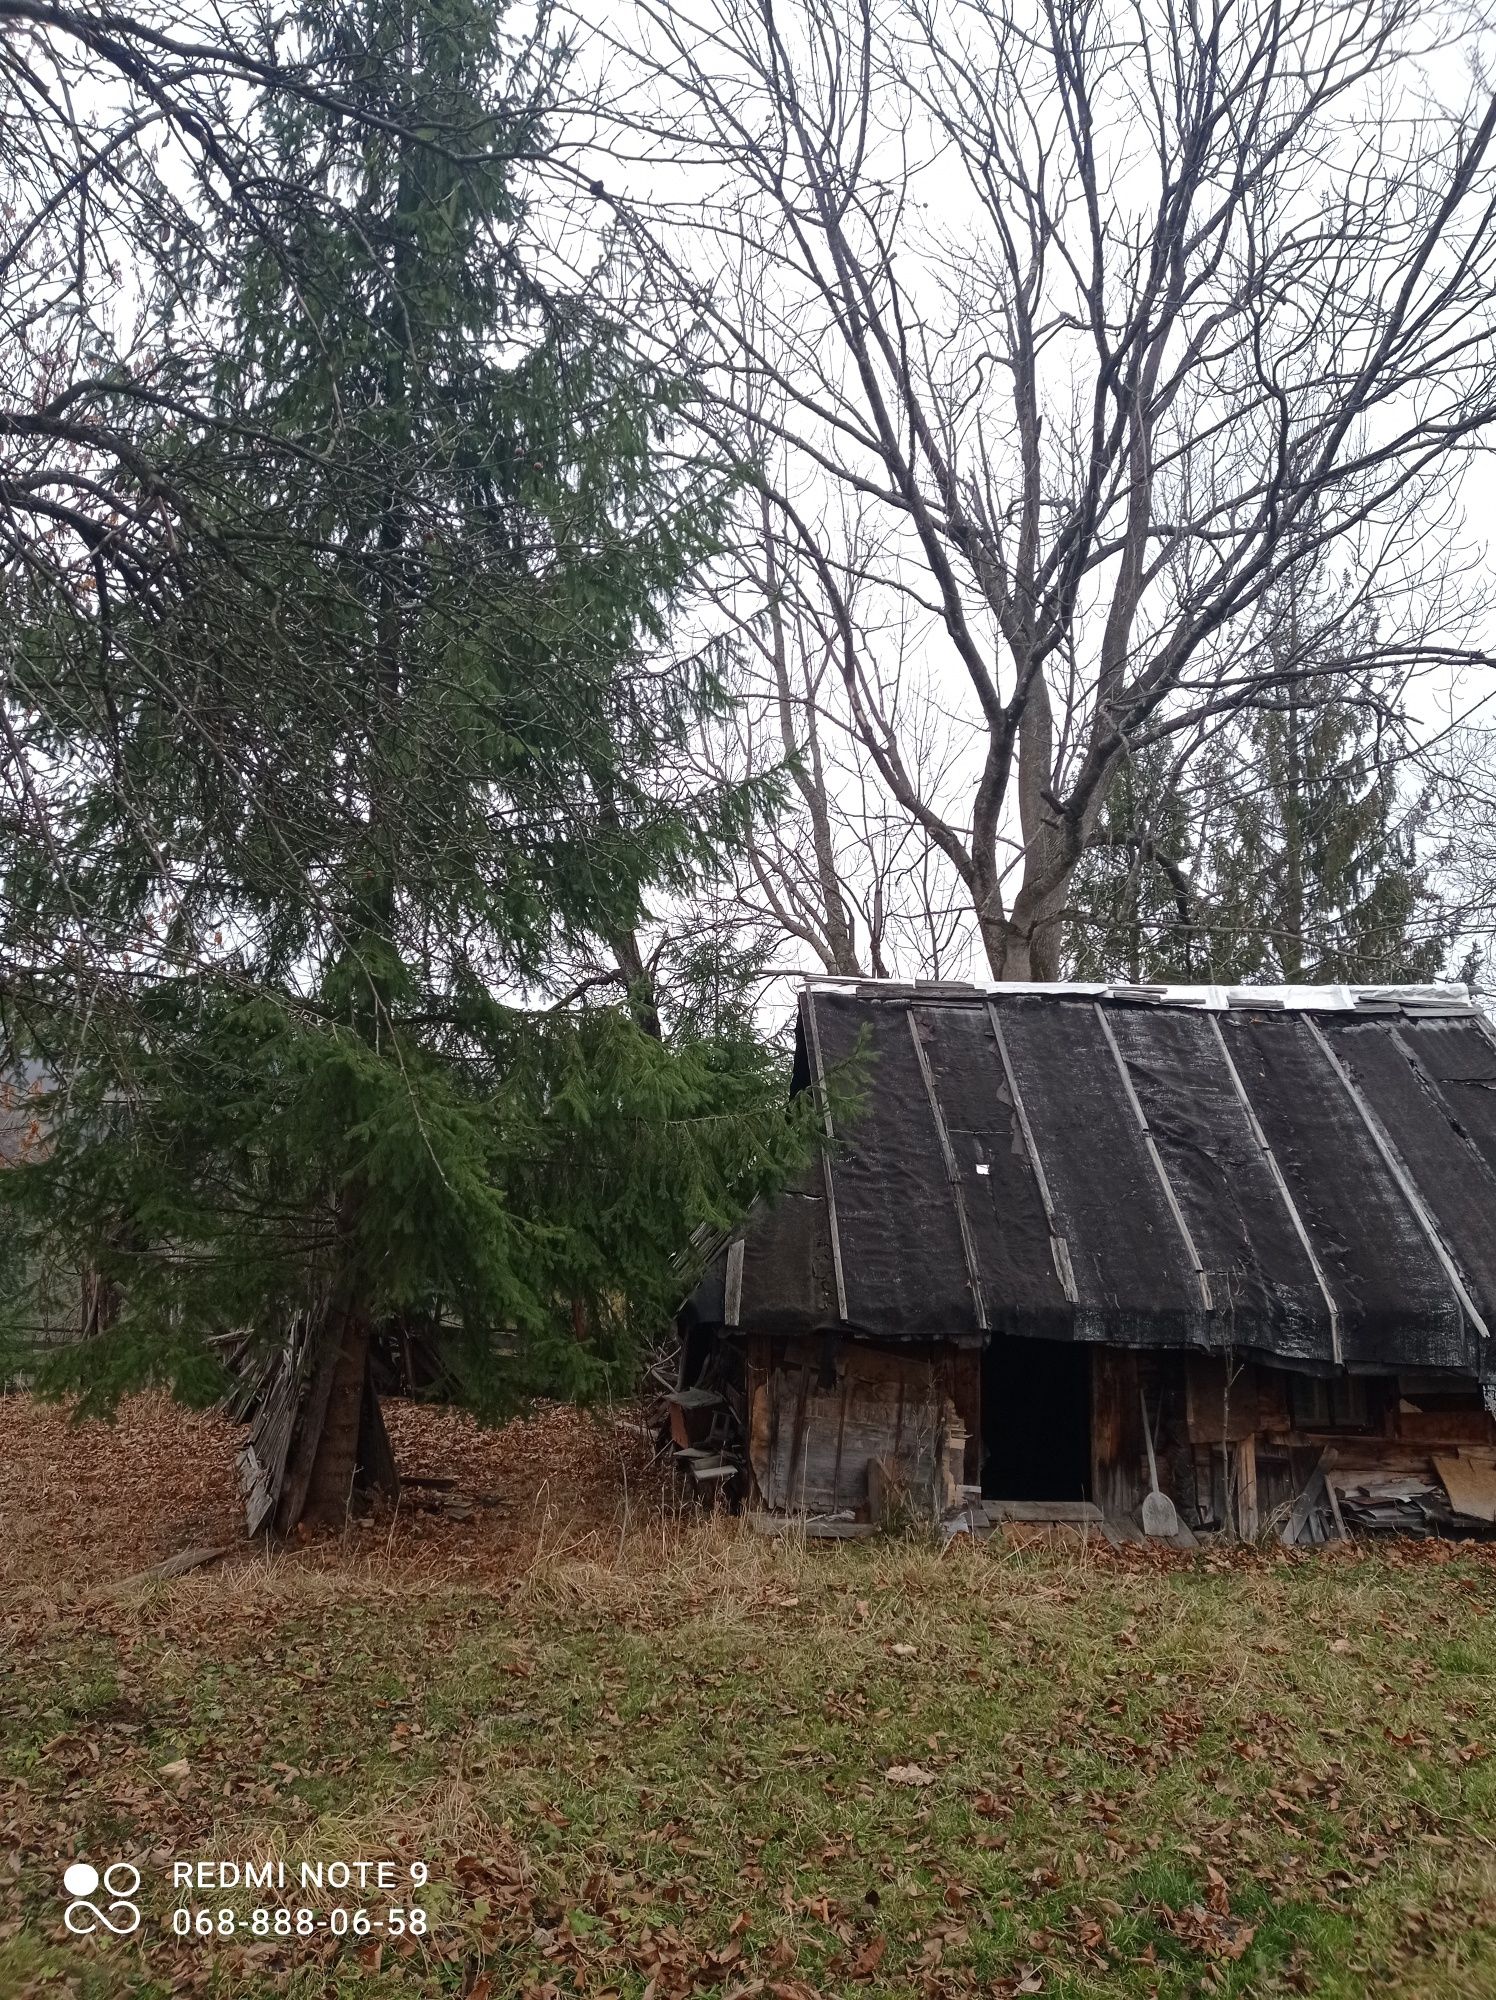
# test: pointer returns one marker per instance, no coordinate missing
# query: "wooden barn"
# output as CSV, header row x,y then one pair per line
x,y
1253,1229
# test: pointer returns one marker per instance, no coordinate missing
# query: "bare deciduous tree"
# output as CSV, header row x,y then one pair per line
x,y
839,871
1113,317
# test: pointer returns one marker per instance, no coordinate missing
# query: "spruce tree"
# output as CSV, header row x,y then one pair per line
x,y
1312,857
1285,850
389,735
1134,908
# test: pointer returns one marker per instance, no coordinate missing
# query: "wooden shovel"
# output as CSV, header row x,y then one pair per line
x,y
1159,1518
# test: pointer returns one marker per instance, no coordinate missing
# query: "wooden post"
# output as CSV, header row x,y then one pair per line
x,y
1247,1526
1116,1432
966,1394
950,1465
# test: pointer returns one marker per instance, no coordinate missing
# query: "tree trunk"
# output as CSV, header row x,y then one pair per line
x,y
334,1451
1026,946
1291,953
375,1470
640,984
1030,948
338,1440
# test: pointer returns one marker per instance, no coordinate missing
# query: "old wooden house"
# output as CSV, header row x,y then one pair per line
x,y
1255,1228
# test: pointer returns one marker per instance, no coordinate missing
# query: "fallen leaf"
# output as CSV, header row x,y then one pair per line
x,y
909,1774
1235,1937
177,1768
867,1961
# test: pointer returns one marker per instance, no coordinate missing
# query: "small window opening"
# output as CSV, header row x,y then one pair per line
x,y
1329,1402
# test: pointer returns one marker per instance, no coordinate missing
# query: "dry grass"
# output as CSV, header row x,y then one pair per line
x,y
642,1755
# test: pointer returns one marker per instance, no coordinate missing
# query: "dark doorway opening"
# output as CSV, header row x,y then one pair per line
x,y
1036,1419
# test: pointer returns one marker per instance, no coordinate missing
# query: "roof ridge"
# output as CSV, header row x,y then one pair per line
x,y
1444,996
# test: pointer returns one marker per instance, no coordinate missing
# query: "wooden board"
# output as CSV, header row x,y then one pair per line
x,y
1299,1520
1117,1479
1470,1482
1247,1517
811,1439
1454,1427
1220,1400
1272,1401
777,1525
966,1394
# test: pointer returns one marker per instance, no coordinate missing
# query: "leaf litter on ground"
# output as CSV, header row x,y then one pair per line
x,y
646,1753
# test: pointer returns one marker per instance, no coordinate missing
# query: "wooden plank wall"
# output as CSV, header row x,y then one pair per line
x,y
1229,1453
820,1410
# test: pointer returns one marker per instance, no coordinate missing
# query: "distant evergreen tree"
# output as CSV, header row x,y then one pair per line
x,y
1284,852
327,803
1312,858
1134,911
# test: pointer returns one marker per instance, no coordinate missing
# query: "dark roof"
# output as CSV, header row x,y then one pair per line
x,y
1304,1173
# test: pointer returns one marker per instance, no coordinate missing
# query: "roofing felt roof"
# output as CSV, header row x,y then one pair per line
x,y
1307,1173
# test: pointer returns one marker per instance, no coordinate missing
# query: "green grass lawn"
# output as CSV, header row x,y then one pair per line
x,y
709,1764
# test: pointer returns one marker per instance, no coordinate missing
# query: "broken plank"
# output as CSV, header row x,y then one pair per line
x,y
177,1565
1293,1528
775,1525
1470,1483
1123,1528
